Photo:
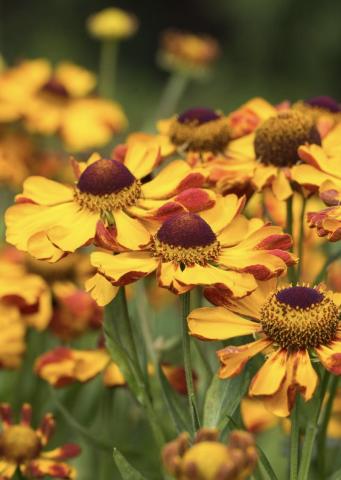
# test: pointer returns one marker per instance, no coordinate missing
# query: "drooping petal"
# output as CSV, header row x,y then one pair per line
x,y
141,158
124,268
43,191
112,376
166,277
26,414
219,324
281,186
101,290
330,356
233,358
130,231
238,284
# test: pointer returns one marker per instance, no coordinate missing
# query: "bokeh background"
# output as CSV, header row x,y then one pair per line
x,y
279,49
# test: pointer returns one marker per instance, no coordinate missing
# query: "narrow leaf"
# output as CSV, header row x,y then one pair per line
x,y
126,470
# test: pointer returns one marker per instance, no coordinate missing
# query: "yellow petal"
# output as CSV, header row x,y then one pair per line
x,y
219,324
45,192
101,290
270,376
141,158
130,231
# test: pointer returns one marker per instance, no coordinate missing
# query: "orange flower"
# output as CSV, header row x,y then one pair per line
x,y
288,323
51,219
218,246
22,448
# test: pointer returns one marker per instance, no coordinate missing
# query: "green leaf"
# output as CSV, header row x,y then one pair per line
x,y
223,398
126,470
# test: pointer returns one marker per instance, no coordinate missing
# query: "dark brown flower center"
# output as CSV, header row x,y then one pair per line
x,y
278,138
56,88
198,116
186,238
325,103
19,443
299,318
104,177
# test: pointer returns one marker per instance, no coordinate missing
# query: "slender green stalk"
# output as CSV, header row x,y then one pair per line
x,y
322,434
171,94
331,259
311,431
300,242
108,68
186,346
294,441
289,229
19,475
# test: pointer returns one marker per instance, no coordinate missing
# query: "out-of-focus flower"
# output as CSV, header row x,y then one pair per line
x,y
325,110
63,366
334,425
287,323
210,459
112,24
22,447
255,416
198,129
217,246
334,276
327,221
187,52
108,204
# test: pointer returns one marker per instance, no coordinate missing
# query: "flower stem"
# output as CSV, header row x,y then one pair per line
x,y
108,68
322,434
289,229
186,346
294,441
311,431
300,242
173,91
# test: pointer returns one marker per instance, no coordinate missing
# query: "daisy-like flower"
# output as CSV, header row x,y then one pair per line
x,y
325,110
210,459
197,129
289,323
187,53
51,219
22,447
219,246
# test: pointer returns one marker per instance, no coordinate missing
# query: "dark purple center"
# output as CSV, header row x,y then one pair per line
x,y
104,177
301,297
186,230
325,102
198,116
54,87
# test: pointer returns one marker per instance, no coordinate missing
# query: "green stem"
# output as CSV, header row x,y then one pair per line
x,y
294,441
289,229
311,431
322,434
330,260
186,346
108,68
300,242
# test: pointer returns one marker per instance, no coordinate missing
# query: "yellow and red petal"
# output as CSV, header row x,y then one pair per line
x,y
7,469
69,450
166,277
255,416
234,358
271,375
236,283
330,356
219,324
173,179
112,376
124,268
43,191
131,233
26,414
39,468
46,428
6,414
223,212
264,176
101,290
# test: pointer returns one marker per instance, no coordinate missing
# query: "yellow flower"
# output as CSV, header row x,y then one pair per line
x,y
217,246
288,324
112,24
210,459
51,219
22,447
325,110
286,147
186,52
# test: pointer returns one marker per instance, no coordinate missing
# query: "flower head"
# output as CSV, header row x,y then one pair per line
x,y
112,24
216,246
288,323
210,459
22,447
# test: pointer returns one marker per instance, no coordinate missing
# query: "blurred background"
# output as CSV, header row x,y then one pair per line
x,y
279,49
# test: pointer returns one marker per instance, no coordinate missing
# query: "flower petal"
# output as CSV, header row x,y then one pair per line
x,y
271,375
219,324
141,158
233,359
330,356
130,231
101,290
43,191
39,468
